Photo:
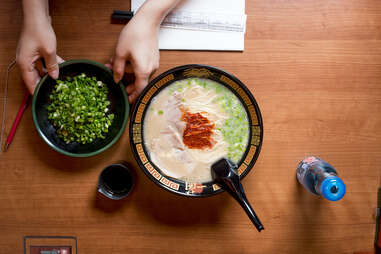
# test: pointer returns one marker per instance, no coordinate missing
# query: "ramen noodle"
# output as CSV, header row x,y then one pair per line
x,y
191,124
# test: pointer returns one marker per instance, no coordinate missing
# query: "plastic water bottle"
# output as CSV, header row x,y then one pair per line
x,y
320,178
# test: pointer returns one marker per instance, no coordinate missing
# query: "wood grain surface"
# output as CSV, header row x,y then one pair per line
x,y
314,68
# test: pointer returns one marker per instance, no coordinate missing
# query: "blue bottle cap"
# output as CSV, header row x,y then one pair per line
x,y
332,188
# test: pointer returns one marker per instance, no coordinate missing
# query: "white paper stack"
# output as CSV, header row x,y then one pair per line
x,y
203,25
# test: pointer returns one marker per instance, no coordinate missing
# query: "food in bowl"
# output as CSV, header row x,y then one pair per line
x,y
191,124
79,109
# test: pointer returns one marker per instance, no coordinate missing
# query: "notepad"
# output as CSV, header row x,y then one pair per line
x,y
203,25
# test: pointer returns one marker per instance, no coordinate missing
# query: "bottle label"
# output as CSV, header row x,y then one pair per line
x,y
304,165
306,174
310,160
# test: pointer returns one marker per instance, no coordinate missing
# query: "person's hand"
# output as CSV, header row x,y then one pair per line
x,y
137,48
37,40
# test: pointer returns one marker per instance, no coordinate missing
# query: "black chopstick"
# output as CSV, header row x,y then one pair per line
x,y
121,17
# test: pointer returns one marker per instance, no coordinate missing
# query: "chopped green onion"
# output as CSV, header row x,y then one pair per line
x,y
79,107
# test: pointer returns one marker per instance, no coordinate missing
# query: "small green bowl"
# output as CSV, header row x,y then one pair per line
x,y
119,107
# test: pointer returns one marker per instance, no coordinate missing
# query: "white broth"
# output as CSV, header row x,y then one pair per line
x,y
191,124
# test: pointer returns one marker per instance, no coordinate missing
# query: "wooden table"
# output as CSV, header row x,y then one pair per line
x,y
315,70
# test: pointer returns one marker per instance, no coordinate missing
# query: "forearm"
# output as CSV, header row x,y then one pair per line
x,y
35,11
156,10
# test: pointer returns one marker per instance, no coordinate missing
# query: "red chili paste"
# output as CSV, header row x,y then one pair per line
x,y
198,131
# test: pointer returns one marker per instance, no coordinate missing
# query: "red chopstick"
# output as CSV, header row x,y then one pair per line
x,y
23,106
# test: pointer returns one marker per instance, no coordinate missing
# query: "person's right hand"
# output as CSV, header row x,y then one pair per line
x,y
37,40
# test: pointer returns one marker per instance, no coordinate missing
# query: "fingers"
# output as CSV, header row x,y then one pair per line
x,y
133,96
40,68
142,67
142,76
51,62
59,59
130,88
43,70
110,63
132,93
118,68
126,74
140,82
30,72
30,76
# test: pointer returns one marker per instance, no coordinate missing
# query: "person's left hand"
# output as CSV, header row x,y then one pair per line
x,y
138,47
37,40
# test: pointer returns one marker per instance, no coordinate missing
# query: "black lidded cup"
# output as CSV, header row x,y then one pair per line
x,y
116,181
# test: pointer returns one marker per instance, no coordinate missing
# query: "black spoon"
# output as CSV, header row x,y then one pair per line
x,y
225,174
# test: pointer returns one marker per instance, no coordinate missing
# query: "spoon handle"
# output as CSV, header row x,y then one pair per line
x,y
225,174
234,187
242,200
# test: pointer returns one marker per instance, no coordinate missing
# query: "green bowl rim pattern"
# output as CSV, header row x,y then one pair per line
x,y
113,141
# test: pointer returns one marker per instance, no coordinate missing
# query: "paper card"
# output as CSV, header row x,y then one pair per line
x,y
50,245
186,39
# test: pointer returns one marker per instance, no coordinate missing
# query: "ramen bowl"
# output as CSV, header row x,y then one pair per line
x,y
140,120
119,107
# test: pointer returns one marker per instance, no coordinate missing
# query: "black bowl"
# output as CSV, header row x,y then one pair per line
x,y
182,72
119,107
